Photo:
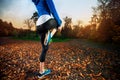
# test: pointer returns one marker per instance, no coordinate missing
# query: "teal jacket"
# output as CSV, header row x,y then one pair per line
x,y
47,7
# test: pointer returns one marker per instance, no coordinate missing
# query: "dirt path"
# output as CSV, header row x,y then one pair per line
x,y
73,60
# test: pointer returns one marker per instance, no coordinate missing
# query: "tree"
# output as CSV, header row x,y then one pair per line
x,y
108,9
68,22
6,29
109,18
102,8
29,23
67,30
114,11
79,23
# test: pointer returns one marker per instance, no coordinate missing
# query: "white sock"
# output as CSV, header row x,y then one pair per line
x,y
42,71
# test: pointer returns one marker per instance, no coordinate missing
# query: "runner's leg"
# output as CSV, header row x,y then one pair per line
x,y
43,53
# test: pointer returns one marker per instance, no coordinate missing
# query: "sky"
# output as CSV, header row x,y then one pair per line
x,y
16,11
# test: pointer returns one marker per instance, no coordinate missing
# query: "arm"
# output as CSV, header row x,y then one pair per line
x,y
35,1
51,6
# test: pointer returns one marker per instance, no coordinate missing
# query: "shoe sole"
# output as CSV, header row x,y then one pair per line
x,y
44,75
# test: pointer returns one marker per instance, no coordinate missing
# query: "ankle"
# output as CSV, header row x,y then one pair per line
x,y
42,71
41,67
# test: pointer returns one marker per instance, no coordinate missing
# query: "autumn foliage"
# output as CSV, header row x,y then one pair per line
x,y
73,60
6,29
104,25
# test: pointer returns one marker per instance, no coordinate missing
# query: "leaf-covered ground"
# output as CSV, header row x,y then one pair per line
x,y
73,60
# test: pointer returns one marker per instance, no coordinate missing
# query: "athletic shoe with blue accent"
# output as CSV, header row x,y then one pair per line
x,y
47,71
47,38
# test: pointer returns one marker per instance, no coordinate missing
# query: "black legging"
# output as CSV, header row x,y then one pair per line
x,y
44,47
42,30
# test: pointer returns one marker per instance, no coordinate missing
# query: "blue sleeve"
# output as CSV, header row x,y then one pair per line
x,y
35,1
51,6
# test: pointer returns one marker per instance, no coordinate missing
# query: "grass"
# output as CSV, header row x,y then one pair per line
x,y
54,39
60,39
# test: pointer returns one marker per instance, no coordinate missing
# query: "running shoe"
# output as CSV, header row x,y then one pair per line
x,y
47,71
47,38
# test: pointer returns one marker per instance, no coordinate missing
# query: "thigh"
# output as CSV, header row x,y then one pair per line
x,y
50,24
41,29
42,38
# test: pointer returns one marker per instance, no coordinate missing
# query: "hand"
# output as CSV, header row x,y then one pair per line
x,y
60,28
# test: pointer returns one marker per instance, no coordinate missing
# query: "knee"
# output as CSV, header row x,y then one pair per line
x,y
43,54
46,48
